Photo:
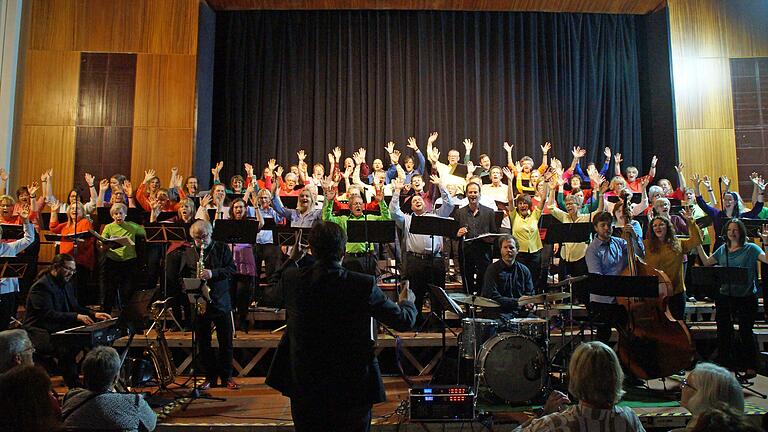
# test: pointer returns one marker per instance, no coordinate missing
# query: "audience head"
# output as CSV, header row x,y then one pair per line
x,y
15,349
617,185
618,212
473,193
663,232
573,201
708,384
535,177
191,186
453,157
654,193
25,400
291,180
118,211
356,205
186,209
417,205
661,206
417,182
201,231
408,163
327,241
23,196
485,161
354,190
294,169
377,165
690,195
733,204
523,204
527,163
575,181
238,209
632,173
154,184
736,232
318,171
307,199
75,212
596,375
117,181
495,173
101,367
665,185
722,418
118,196
603,223
264,198
72,197
219,193
63,267
508,248
6,206
237,183
349,163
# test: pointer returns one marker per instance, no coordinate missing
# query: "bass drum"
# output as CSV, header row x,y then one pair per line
x,y
513,367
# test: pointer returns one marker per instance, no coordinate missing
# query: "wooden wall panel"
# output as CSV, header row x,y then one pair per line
x,y
52,24
43,147
708,152
171,27
695,28
165,91
50,88
704,35
703,97
161,149
117,27
747,25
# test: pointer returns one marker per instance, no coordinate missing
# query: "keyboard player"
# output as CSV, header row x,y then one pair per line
x,y
51,307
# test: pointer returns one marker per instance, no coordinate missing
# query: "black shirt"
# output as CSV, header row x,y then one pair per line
x,y
218,259
507,283
482,222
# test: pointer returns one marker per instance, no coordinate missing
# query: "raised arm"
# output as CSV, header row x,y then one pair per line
x,y
468,144
508,150
216,171
617,159
652,170
680,176
394,209
3,181
544,158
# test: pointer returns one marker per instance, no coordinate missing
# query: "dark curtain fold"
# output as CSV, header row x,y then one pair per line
x,y
286,80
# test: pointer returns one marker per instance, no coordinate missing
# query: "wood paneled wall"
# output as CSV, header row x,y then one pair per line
x,y
704,35
163,34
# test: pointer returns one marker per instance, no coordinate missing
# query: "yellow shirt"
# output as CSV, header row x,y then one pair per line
x,y
669,261
526,230
571,252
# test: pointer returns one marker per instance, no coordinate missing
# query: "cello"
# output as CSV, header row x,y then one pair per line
x,y
652,344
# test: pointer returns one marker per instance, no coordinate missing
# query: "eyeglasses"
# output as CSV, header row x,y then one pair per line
x,y
685,383
201,236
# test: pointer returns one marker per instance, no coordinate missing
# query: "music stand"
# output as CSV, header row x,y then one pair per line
x,y
290,202
132,317
12,231
286,235
712,278
165,233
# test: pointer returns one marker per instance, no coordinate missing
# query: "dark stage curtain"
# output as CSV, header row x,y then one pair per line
x,y
286,80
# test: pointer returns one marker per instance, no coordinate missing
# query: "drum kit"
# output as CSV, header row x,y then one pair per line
x,y
510,356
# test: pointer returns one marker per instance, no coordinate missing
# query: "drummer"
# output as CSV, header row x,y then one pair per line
x,y
507,280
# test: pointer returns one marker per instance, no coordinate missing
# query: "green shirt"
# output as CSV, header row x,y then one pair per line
x,y
126,229
342,222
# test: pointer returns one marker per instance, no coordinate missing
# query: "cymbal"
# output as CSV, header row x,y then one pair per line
x,y
474,300
543,298
570,280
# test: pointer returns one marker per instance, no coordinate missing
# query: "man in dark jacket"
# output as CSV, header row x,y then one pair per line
x,y
51,307
325,362
219,268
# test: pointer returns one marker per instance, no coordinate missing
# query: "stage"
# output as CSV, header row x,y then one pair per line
x,y
256,407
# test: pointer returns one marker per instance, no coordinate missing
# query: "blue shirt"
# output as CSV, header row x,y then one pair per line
x,y
607,258
746,257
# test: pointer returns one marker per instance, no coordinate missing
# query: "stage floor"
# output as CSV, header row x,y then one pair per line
x,y
256,407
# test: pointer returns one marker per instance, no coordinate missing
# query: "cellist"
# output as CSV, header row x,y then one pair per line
x,y
607,255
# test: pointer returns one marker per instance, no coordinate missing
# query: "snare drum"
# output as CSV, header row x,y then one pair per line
x,y
534,328
474,333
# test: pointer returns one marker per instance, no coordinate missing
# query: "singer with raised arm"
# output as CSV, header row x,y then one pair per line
x,y
212,262
51,307
9,287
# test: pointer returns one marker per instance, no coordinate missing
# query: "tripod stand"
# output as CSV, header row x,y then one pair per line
x,y
195,293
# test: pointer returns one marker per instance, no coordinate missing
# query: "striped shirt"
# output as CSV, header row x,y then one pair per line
x,y
580,418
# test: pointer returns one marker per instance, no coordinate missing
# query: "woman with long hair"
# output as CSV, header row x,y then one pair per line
x,y
737,301
665,252
85,256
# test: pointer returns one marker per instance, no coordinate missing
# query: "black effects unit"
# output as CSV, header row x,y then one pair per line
x,y
442,403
